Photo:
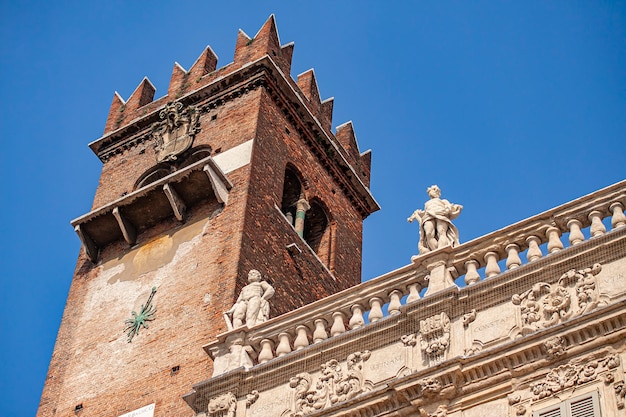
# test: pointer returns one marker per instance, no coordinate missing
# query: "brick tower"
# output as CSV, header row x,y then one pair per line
x,y
234,169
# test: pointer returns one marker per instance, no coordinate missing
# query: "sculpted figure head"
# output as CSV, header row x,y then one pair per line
x,y
254,276
434,191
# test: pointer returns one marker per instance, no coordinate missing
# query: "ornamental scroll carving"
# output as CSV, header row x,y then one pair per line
x,y
333,386
175,132
620,393
545,305
570,375
435,337
224,405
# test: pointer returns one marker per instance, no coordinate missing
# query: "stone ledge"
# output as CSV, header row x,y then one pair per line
x,y
168,197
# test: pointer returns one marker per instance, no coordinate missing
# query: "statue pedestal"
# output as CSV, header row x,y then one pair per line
x,y
436,262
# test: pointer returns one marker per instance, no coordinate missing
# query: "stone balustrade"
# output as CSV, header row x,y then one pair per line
x,y
511,248
531,239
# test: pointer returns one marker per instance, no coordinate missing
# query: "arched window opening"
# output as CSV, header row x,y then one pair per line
x,y
292,192
195,155
153,174
316,230
166,168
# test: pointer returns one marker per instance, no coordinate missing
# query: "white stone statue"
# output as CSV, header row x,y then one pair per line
x,y
252,304
436,228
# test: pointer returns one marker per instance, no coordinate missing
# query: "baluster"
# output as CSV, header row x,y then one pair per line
x,y
338,323
302,338
320,331
376,310
597,228
414,293
513,260
534,251
283,347
266,351
618,219
492,267
356,320
471,274
575,234
394,303
554,241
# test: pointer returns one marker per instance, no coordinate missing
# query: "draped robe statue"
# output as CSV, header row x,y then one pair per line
x,y
435,221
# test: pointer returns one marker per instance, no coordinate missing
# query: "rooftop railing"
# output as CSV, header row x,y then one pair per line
x,y
483,258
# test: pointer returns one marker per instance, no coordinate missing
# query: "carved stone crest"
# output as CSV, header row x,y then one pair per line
x,y
224,405
333,386
175,132
435,341
545,305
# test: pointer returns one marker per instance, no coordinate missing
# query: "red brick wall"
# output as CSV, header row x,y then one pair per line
x,y
198,268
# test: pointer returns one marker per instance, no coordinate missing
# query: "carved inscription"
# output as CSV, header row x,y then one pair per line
x,y
389,363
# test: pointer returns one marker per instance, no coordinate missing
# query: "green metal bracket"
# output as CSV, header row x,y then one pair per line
x,y
146,313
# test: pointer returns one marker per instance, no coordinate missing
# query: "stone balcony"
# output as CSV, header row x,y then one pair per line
x,y
167,197
413,338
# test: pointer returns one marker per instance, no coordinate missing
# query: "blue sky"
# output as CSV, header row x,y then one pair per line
x,y
510,107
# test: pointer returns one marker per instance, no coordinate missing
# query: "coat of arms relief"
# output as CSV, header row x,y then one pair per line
x,y
175,132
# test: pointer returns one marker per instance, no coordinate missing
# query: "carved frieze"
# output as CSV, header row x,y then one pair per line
x,y
334,385
175,132
545,305
570,375
435,337
224,405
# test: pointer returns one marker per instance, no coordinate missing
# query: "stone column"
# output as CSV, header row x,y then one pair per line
x,y
302,206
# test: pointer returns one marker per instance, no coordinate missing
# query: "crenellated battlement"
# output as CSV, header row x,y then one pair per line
x,y
204,72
